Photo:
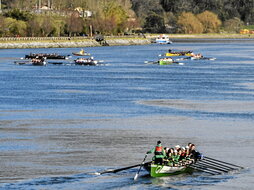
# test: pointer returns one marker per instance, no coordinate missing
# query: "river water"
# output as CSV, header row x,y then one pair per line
x,y
59,124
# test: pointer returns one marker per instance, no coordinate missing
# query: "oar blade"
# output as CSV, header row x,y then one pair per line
x,y
141,165
136,177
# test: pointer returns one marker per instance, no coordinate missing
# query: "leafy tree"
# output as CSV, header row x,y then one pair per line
x,y
14,27
189,24
233,25
59,26
177,6
47,26
18,14
75,24
113,10
170,22
154,23
2,26
143,8
104,26
210,21
112,18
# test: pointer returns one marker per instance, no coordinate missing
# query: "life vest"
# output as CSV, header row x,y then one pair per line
x,y
158,150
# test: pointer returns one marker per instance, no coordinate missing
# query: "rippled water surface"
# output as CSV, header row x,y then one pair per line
x,y
60,124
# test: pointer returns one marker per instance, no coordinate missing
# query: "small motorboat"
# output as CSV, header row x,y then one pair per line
x,y
81,53
163,39
86,61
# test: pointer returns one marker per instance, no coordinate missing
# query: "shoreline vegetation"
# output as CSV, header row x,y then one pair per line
x,y
65,42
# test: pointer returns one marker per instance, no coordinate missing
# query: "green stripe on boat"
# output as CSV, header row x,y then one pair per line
x,y
156,170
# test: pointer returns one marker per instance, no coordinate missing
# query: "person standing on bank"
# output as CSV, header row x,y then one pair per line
x,y
159,153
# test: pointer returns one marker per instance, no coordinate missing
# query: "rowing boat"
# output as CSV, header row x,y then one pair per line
x,y
81,53
197,58
156,170
45,55
178,54
86,61
166,61
39,61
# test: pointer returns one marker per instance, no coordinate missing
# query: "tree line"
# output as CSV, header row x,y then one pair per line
x,y
113,17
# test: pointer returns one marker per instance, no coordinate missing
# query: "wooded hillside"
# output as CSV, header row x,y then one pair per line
x,y
89,17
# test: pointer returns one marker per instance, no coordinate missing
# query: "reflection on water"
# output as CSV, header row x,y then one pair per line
x,y
61,124
208,106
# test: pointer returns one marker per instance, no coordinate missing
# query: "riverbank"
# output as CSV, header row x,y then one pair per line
x,y
206,36
21,43
65,42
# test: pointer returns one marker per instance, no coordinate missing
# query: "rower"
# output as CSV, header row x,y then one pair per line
x,y
159,153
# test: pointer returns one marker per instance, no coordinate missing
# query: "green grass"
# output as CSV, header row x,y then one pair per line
x,y
249,27
210,35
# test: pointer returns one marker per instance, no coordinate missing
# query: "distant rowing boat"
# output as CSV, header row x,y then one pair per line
x,y
39,61
81,53
86,61
46,55
197,58
177,53
187,53
164,61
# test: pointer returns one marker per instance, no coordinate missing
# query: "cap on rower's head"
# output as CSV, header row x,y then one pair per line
x,y
158,142
183,148
177,146
187,147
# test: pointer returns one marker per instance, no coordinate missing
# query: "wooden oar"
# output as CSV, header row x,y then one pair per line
x,y
212,167
217,164
202,170
151,62
223,162
136,176
178,63
116,170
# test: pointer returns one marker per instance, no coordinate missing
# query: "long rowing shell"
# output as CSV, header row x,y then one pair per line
x,y
178,54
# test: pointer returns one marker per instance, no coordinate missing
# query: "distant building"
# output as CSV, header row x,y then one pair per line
x,y
84,13
45,8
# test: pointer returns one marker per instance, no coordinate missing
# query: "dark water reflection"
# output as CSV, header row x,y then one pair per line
x,y
61,124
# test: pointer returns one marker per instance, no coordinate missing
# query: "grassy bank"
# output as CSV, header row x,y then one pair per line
x,y
206,36
65,42
25,42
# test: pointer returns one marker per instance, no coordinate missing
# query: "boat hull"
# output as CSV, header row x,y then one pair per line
x,y
156,170
178,54
161,41
41,63
86,62
81,54
162,62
